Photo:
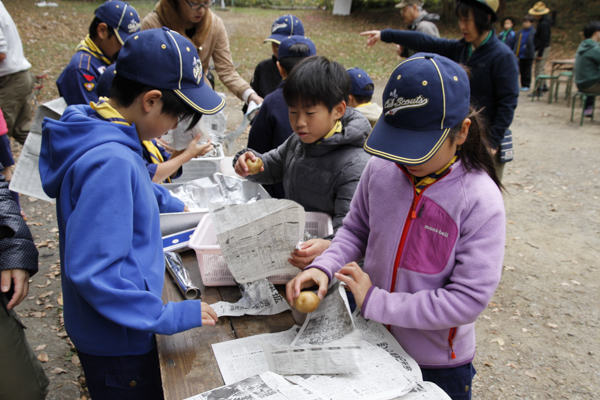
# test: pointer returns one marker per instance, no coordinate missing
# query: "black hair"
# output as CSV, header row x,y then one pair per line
x,y
529,18
316,80
288,63
511,19
590,29
475,151
124,92
361,99
481,17
93,30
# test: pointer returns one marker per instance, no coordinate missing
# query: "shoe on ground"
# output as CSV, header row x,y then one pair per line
x,y
524,89
588,112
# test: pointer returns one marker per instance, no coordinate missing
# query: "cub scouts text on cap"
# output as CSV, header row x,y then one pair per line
x,y
426,96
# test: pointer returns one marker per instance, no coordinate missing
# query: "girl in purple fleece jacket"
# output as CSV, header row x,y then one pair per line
x,y
428,219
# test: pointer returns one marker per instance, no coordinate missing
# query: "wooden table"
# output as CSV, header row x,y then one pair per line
x,y
187,363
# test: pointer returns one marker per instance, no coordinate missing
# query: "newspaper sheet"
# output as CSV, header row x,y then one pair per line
x,y
377,334
258,298
425,391
257,239
330,321
267,385
378,377
242,358
26,179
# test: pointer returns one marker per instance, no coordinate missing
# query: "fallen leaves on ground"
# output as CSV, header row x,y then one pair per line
x,y
43,357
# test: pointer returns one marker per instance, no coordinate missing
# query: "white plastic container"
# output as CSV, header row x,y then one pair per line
x,y
213,268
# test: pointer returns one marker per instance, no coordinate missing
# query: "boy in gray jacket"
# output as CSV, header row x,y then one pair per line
x,y
320,165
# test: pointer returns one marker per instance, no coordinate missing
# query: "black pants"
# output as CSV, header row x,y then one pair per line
x,y
525,65
125,377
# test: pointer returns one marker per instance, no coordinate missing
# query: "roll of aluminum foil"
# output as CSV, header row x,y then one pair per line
x,y
181,275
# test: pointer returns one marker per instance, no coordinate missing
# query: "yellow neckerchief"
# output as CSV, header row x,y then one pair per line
x,y
337,128
423,182
89,46
108,113
363,105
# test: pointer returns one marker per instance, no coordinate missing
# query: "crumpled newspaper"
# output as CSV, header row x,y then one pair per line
x,y
258,298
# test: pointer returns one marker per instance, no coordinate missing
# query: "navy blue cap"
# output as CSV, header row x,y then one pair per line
x,y
284,26
425,97
164,59
121,17
284,47
360,79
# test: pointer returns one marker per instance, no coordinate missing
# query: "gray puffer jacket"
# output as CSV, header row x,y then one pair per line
x,y
320,176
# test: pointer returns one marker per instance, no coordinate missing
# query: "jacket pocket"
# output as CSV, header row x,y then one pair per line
x,y
131,379
430,241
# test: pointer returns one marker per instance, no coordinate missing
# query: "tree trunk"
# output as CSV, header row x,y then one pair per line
x,y
447,10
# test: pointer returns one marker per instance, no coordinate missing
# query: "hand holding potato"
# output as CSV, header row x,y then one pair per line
x,y
305,279
241,166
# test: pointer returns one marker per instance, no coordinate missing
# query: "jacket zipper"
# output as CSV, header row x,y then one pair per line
x,y
412,215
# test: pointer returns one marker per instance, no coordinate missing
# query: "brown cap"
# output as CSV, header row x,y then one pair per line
x,y
539,9
405,3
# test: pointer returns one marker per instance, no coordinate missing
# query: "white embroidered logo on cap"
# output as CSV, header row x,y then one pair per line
x,y
277,26
133,26
395,103
197,69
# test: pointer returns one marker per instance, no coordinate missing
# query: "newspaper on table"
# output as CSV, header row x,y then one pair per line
x,y
258,298
265,386
242,358
257,239
425,391
26,178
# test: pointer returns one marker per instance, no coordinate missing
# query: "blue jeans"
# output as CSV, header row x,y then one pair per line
x,y
456,382
124,377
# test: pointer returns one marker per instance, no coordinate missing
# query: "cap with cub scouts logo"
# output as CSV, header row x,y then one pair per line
x,y
164,59
287,43
284,26
360,79
121,17
425,97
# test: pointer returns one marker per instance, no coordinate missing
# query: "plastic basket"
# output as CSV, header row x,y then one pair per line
x,y
213,269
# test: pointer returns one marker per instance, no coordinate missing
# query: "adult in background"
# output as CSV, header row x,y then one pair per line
x,y
194,20
587,64
16,79
541,41
418,20
494,71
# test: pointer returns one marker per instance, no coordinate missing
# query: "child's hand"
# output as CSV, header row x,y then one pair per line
x,y
309,250
240,166
373,37
358,281
305,279
20,278
195,150
209,316
399,49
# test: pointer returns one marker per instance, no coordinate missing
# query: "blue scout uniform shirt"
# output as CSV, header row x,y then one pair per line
x,y
78,81
270,129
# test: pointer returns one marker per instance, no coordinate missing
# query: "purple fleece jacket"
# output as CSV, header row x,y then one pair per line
x,y
451,261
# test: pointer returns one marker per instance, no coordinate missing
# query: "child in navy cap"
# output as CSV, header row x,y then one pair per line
x,y
266,75
428,219
321,163
362,93
113,23
108,213
271,127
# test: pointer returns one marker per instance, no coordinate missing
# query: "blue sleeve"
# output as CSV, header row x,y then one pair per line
x,y
103,264
166,202
76,89
421,42
260,137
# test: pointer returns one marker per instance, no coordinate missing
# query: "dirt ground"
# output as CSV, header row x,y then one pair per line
x,y
538,339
